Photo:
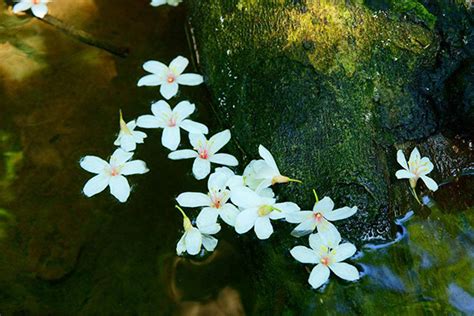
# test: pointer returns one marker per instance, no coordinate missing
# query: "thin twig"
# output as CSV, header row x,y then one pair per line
x,y
85,37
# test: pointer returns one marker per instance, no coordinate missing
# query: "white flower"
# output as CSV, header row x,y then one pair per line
x,y
327,257
128,138
264,173
319,218
38,7
416,168
214,203
169,77
205,152
257,211
174,3
171,121
193,238
112,173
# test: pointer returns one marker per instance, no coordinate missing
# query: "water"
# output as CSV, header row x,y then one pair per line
x,y
62,253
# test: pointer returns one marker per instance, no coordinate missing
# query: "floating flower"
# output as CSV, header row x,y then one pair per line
x,y
264,173
193,238
320,218
38,7
214,203
112,173
205,152
416,168
327,256
171,121
257,211
128,138
174,3
169,77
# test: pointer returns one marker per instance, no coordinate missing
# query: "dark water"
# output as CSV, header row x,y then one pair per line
x,y
62,253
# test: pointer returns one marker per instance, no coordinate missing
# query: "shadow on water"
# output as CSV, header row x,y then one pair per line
x,y
62,253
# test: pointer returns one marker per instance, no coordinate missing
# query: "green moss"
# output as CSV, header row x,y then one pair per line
x,y
415,7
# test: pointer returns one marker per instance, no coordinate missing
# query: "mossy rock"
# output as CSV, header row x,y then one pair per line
x,y
329,87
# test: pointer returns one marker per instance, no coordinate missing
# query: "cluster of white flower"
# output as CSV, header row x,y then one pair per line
x,y
241,201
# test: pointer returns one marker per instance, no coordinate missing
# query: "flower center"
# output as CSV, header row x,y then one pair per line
x,y
172,122
114,171
203,153
170,79
264,210
36,1
318,217
325,261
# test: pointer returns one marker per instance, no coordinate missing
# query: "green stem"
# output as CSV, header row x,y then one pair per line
x,y
413,192
315,195
294,180
181,210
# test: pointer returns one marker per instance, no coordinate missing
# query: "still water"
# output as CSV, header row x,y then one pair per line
x,y
64,254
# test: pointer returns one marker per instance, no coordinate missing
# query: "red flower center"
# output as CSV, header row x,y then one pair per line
x,y
325,261
170,79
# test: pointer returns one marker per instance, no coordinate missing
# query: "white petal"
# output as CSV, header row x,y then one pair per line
x,y
134,167
245,220
306,227
305,255
217,181
169,90
343,251
171,137
245,197
415,155
430,183
263,228
319,275
193,199
127,143
401,159
193,241
120,156
180,246
404,174
161,109
149,81
329,233
224,159
426,166
235,182
96,185
178,65
267,156
201,168
119,188
93,164
209,229
316,242
194,127
207,216
209,242
22,6
197,140
299,217
190,79
229,214
39,10
345,271
340,213
287,207
324,205
149,121
139,137
219,140
182,154
184,109
155,67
